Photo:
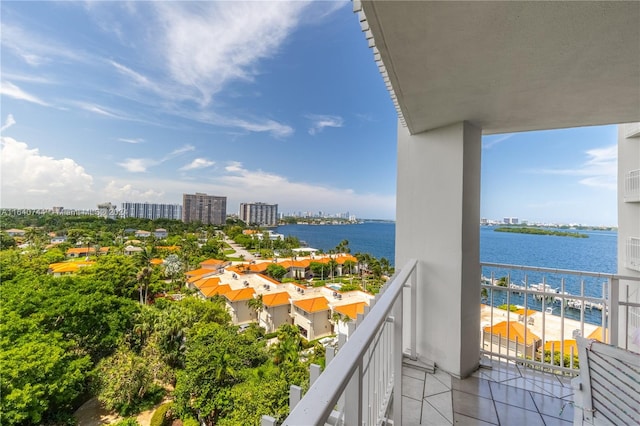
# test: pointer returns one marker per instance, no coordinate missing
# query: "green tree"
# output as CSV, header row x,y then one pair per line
x,y
42,375
276,271
215,361
256,304
123,380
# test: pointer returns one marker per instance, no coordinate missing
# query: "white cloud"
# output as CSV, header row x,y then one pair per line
x,y
599,170
31,179
138,165
9,89
319,122
131,140
177,152
270,126
10,121
141,165
198,163
496,139
208,44
127,192
97,109
33,49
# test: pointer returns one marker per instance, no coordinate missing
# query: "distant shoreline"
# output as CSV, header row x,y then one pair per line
x,y
540,231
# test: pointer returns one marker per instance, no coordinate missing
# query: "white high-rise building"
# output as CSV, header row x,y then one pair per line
x,y
260,214
152,210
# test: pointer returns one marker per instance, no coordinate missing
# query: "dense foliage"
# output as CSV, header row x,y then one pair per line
x,y
540,231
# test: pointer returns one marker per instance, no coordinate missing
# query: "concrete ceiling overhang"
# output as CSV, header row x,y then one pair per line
x,y
508,66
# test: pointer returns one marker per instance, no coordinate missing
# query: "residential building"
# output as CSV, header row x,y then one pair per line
x,y
160,233
207,209
277,307
107,210
15,232
457,71
152,210
260,214
312,316
238,307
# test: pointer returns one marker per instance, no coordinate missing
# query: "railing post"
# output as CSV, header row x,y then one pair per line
x,y
396,354
268,421
414,314
614,301
353,402
314,373
295,395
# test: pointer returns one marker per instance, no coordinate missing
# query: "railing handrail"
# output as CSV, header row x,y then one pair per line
x,y
320,399
560,271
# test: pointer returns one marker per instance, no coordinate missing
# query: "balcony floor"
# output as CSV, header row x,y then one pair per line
x,y
497,394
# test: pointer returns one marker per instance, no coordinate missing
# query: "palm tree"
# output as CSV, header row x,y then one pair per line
x,y
256,304
144,279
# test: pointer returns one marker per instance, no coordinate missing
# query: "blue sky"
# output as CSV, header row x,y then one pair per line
x,y
279,102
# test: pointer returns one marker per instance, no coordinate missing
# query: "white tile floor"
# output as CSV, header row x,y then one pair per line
x,y
501,394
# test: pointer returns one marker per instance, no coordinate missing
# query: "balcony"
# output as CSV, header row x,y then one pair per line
x,y
632,187
512,386
633,253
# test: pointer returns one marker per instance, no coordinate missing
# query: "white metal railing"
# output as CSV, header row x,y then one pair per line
x,y
555,306
632,253
358,385
632,186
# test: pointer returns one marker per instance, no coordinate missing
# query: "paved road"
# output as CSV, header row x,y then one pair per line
x,y
240,251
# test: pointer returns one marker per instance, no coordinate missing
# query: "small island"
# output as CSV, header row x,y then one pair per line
x,y
540,231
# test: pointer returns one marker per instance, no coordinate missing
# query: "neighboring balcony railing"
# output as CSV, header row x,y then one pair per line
x,y
532,315
632,186
358,385
632,253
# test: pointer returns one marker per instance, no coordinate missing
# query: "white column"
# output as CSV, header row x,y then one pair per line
x,y
438,223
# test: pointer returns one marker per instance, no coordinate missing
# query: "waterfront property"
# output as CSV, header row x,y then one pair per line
x,y
455,72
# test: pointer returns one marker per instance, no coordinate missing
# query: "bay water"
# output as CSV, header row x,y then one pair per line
x,y
598,253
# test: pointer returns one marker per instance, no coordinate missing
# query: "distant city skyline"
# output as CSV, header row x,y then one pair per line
x,y
279,101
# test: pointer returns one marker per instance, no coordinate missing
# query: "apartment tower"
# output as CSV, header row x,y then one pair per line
x,y
260,214
208,209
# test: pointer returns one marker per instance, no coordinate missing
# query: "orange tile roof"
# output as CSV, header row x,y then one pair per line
x,y
275,299
199,271
515,329
342,259
249,231
351,310
207,282
156,261
236,268
81,250
597,334
557,345
170,248
214,290
258,267
240,294
315,304
68,267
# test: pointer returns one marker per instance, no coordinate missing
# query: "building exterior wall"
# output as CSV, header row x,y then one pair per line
x,y
241,312
261,214
152,210
273,317
628,233
208,209
438,223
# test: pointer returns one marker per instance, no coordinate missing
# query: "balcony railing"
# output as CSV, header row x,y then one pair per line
x,y
555,306
632,186
359,384
360,380
632,253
